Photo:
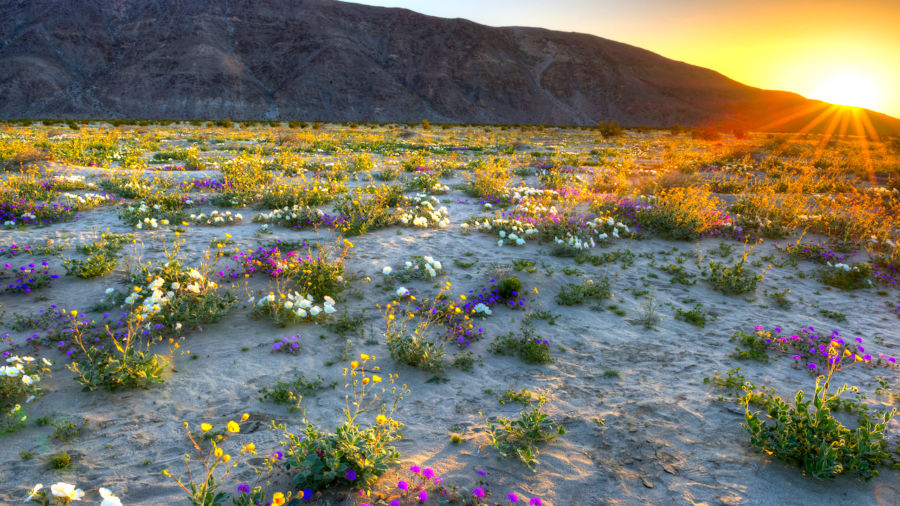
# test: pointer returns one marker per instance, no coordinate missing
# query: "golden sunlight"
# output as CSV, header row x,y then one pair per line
x,y
857,90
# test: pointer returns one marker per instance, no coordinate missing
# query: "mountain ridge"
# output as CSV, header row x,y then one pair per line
x,y
339,61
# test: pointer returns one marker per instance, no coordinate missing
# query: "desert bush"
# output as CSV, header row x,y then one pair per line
x,y
119,366
410,338
572,294
487,179
731,279
807,435
363,212
846,277
521,436
355,454
683,214
526,344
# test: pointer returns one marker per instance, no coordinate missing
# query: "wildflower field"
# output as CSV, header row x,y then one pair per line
x,y
274,313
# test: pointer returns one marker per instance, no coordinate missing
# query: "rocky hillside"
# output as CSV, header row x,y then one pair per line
x,y
329,60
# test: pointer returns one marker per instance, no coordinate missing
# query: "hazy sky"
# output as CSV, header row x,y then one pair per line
x,y
840,51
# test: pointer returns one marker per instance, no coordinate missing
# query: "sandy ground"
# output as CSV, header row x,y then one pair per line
x,y
665,438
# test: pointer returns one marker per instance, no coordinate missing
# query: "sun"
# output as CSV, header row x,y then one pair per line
x,y
855,90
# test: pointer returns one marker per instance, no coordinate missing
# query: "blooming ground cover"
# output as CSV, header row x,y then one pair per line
x,y
393,315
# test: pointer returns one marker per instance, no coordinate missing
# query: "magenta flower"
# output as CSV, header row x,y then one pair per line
x,y
402,485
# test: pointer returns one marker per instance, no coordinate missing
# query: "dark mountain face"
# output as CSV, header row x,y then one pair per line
x,y
328,60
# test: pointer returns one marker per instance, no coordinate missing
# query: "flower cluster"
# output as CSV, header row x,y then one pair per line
x,y
14,249
22,213
291,307
420,267
204,184
534,219
419,211
26,278
19,382
162,292
298,217
89,200
814,350
289,345
173,296
216,218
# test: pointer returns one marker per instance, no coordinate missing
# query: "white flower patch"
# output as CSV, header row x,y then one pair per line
x,y
216,218
420,211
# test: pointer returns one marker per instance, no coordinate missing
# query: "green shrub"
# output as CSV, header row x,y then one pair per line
x,y
520,437
684,214
366,211
572,294
94,266
814,440
292,392
695,316
354,455
846,277
416,348
528,346
509,288
731,279
118,365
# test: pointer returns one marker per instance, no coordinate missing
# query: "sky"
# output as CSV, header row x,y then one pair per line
x,y
846,52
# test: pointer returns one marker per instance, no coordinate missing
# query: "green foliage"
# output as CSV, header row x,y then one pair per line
x,y
682,214
750,347
95,265
572,294
129,368
521,436
13,420
367,211
509,288
834,315
59,461
195,299
814,440
528,346
731,279
292,392
487,179
780,297
14,388
522,397
848,277
320,460
416,350
695,316
65,430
